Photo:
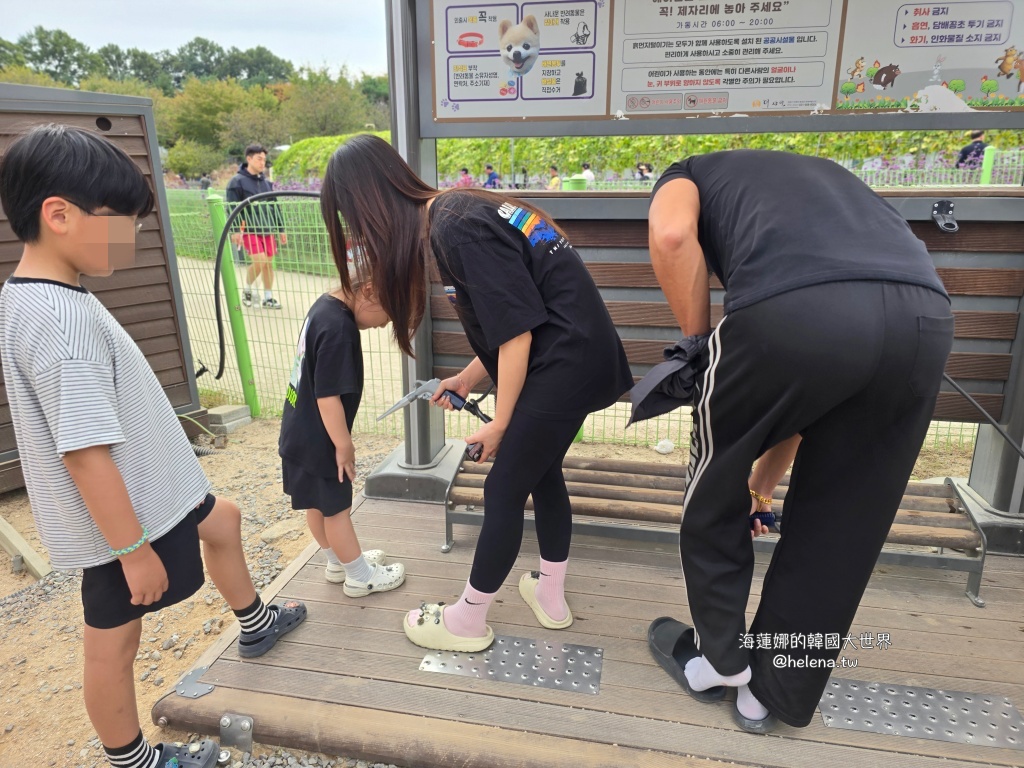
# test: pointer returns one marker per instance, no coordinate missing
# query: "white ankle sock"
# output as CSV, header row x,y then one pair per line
x,y
748,705
268,294
358,570
332,558
702,675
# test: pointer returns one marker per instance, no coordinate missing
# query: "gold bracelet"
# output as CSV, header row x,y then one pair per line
x,y
762,499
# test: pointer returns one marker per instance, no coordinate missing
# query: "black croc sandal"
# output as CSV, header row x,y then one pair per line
x,y
289,616
672,644
766,725
198,754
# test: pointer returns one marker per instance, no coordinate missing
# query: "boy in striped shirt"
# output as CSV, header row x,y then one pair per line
x,y
114,485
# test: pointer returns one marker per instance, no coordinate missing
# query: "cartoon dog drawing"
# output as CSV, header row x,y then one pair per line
x,y
519,45
857,70
1007,61
885,77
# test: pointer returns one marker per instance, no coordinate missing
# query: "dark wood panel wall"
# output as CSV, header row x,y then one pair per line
x,y
986,303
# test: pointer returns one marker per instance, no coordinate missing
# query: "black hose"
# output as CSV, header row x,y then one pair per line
x,y
220,250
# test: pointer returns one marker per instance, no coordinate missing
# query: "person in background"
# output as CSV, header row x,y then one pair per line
x,y
465,180
587,174
259,227
205,182
972,155
493,180
554,182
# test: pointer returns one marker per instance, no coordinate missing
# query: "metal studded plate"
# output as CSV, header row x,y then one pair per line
x,y
922,713
562,666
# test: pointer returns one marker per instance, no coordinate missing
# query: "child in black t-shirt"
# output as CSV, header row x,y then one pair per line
x,y
318,457
540,330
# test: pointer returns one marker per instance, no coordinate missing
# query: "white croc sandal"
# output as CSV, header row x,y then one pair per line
x,y
384,579
528,590
336,573
429,631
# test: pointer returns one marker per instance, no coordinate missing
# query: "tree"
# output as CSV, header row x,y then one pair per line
x,y
375,88
193,159
200,58
255,66
115,62
151,68
57,54
254,122
847,88
10,55
989,87
202,107
957,86
26,76
321,106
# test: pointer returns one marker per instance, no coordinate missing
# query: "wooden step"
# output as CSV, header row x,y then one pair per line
x,y
663,490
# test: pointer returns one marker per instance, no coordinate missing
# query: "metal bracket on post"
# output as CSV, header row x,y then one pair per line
x,y
236,731
942,215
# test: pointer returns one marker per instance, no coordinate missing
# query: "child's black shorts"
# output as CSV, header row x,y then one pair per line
x,y
326,494
106,598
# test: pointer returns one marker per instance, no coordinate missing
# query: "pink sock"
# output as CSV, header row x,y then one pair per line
x,y
467,617
551,589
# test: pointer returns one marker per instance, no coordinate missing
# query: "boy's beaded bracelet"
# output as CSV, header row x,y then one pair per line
x,y
133,547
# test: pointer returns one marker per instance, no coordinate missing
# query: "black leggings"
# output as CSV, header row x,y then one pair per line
x,y
529,462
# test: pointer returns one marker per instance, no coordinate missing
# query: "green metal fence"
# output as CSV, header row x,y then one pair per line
x,y
303,270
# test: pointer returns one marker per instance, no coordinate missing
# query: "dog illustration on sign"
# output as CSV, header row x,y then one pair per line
x,y
519,44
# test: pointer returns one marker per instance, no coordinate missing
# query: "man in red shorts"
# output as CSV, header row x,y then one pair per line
x,y
259,226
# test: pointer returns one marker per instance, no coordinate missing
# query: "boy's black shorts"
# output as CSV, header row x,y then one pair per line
x,y
328,495
106,598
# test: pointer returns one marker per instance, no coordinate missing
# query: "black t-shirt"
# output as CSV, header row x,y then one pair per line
x,y
771,222
328,362
508,271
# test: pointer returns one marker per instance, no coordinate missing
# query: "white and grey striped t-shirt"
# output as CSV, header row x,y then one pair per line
x,y
75,379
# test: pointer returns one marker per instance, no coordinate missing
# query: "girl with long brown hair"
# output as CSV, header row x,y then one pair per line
x,y
540,330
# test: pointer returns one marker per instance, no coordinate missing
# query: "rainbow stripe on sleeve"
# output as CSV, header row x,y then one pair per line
x,y
536,229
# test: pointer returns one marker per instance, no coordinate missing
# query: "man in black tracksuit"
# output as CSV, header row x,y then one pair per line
x,y
259,226
835,335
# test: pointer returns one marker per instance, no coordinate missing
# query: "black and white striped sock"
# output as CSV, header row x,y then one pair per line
x,y
138,754
256,617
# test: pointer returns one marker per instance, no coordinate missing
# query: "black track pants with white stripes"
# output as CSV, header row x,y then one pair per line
x,y
854,367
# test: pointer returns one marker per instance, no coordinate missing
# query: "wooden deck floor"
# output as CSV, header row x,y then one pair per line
x,y
348,681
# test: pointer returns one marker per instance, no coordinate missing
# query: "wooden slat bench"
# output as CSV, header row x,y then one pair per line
x,y
983,270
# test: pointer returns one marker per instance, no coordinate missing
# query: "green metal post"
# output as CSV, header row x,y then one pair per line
x,y
218,218
988,162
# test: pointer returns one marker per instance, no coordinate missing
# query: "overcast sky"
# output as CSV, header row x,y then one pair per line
x,y
306,32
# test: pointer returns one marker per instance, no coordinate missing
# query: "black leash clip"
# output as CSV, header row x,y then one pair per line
x,y
942,215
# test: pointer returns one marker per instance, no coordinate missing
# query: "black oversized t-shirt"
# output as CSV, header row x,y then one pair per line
x,y
508,271
771,222
328,362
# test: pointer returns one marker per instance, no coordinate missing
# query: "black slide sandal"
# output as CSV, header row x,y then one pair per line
x,y
672,645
